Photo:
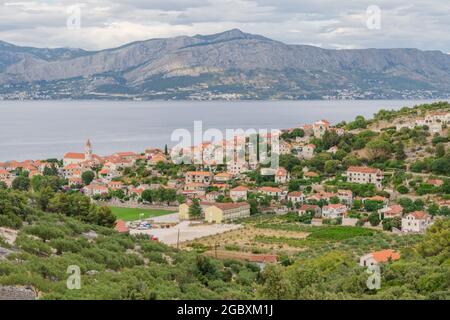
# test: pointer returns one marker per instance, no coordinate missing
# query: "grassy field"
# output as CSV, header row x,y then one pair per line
x,y
131,214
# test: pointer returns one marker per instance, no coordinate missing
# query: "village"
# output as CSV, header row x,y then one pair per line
x,y
342,175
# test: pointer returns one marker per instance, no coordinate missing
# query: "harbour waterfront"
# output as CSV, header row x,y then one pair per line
x,y
48,129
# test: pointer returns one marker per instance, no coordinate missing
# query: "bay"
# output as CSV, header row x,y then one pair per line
x,y
48,129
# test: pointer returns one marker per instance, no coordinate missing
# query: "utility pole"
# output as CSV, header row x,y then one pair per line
x,y
178,239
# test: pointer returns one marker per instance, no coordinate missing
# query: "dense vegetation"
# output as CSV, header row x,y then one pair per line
x,y
423,272
113,266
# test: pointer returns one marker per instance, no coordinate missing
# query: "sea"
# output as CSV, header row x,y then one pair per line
x,y
49,129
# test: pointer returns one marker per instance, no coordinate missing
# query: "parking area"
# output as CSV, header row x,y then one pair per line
x,y
185,231
168,218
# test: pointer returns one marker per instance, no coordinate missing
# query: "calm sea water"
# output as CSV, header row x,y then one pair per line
x,y
48,129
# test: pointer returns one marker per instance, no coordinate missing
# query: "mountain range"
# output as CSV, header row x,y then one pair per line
x,y
228,65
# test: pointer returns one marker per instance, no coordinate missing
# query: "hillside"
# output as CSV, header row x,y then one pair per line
x,y
116,266
49,224
229,65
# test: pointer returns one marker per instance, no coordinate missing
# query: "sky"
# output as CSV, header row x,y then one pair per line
x,y
338,24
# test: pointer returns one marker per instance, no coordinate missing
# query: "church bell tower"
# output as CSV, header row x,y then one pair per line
x,y
88,150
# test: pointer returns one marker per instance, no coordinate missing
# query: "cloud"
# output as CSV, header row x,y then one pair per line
x,y
331,24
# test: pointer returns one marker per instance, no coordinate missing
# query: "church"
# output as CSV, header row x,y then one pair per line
x,y
77,158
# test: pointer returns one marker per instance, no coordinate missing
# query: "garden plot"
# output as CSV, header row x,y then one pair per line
x,y
245,240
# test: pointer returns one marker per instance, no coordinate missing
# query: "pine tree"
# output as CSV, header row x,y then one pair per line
x,y
195,210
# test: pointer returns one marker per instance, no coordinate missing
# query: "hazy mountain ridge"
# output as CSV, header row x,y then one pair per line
x,y
231,64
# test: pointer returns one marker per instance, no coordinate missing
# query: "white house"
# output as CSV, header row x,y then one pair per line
x,y
307,151
365,175
281,175
195,186
296,197
95,189
345,197
204,177
285,147
304,209
333,211
237,167
223,177
417,221
437,117
107,174
333,150
271,191
212,196
238,193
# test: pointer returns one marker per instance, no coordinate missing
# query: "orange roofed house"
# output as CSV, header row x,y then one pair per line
x,y
238,193
395,210
365,175
378,257
271,191
296,197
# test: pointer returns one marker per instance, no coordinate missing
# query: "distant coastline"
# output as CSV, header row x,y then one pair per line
x,y
243,67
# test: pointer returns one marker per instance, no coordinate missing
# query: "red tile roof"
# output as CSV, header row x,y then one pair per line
x,y
395,209
281,172
199,173
311,174
121,226
436,182
74,155
419,215
270,189
376,198
230,205
224,175
385,255
126,154
363,169
240,188
263,258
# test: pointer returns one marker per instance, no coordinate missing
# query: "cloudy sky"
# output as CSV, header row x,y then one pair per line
x,y
99,24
